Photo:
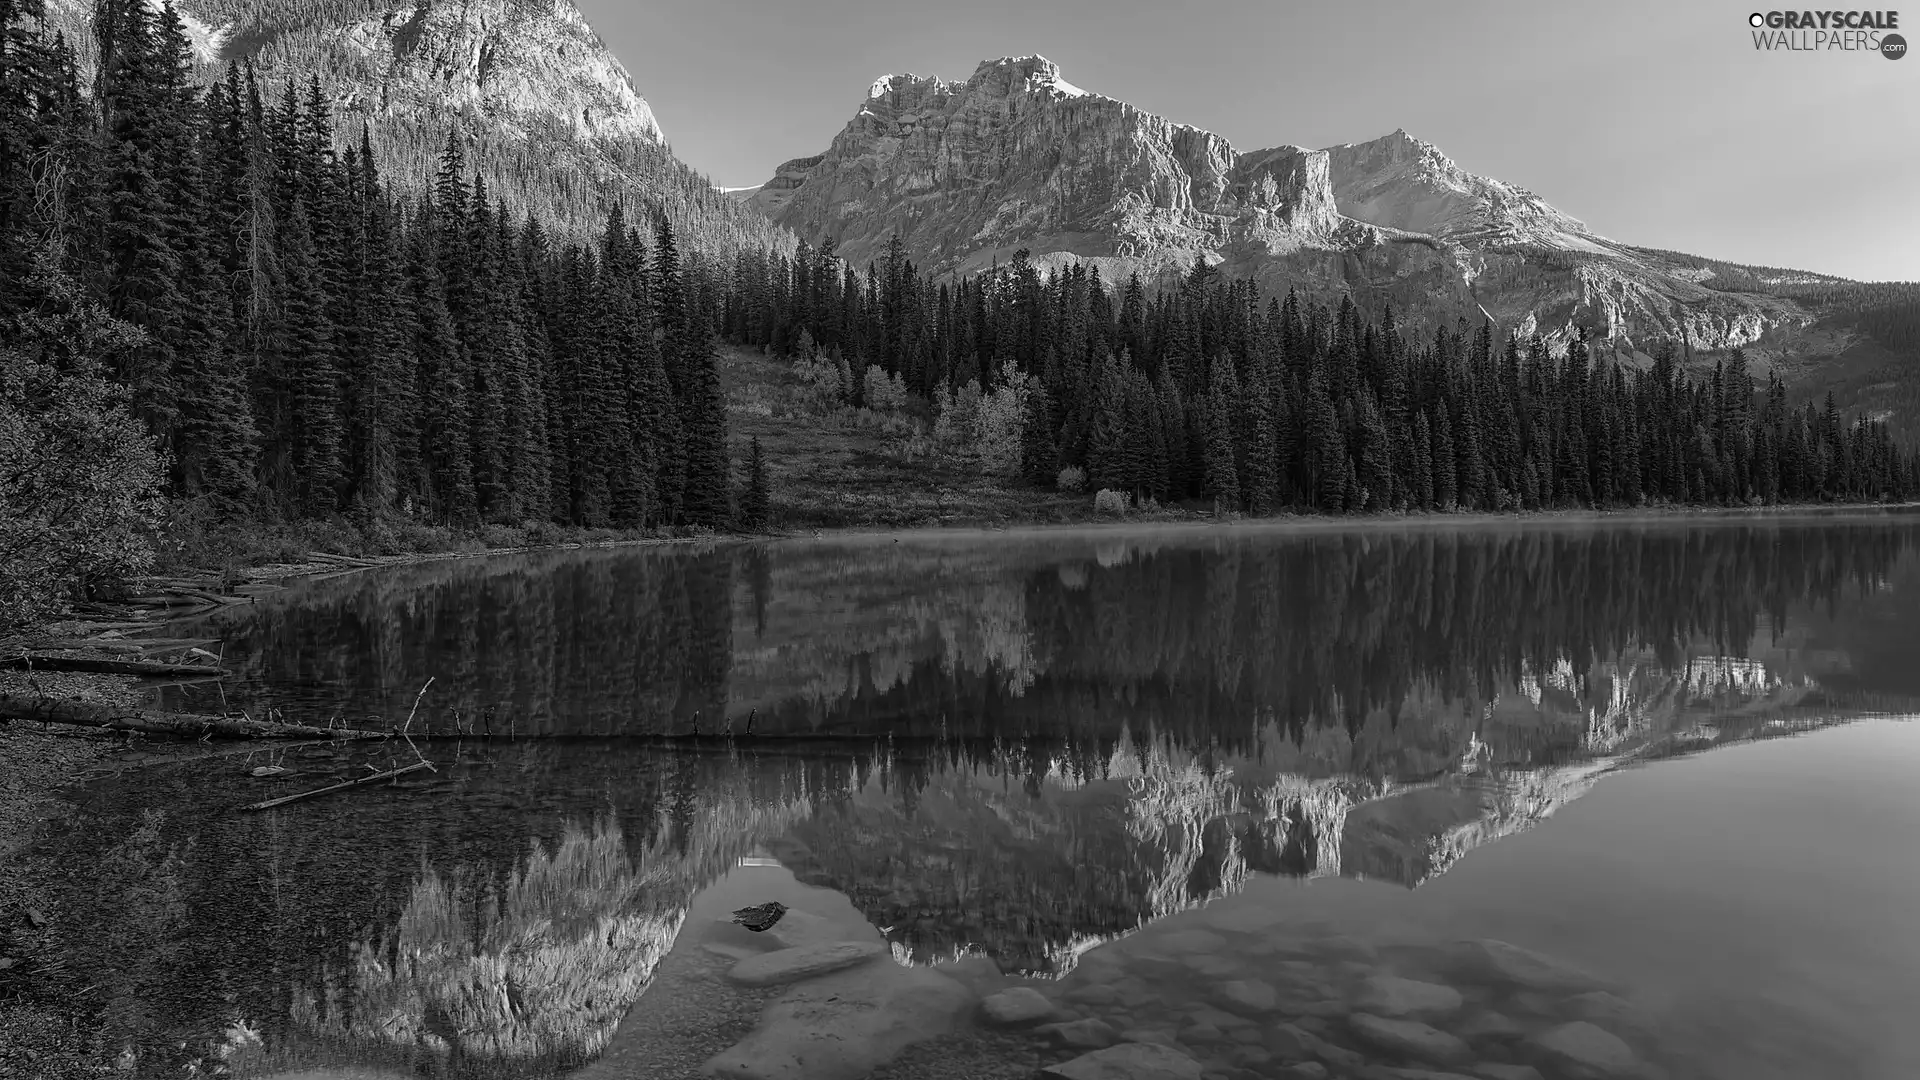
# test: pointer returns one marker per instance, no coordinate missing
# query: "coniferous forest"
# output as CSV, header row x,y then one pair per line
x,y
211,295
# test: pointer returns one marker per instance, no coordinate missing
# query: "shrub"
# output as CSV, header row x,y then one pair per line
x,y
1071,479
820,392
884,393
983,427
1109,501
79,479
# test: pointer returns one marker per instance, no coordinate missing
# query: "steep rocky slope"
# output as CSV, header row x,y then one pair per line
x,y
547,112
1017,157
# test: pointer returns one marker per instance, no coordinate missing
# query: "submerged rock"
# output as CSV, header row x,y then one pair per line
x,y
1020,1005
1515,966
1253,998
1610,1011
843,1026
1128,1061
787,965
1489,1025
1409,1038
1081,1034
1390,995
1492,1070
1150,1035
1097,994
1585,1050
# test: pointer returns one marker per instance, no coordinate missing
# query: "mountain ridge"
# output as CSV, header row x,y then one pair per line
x,y
1015,156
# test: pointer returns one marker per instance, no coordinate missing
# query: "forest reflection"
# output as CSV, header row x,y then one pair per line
x,y
1075,735
1198,636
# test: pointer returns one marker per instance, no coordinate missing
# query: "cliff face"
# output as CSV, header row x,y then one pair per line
x,y
1017,157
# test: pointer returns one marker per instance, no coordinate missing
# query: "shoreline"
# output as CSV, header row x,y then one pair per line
x,y
1198,522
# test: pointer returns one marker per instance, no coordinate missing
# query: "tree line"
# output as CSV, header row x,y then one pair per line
x,y
302,341
1259,404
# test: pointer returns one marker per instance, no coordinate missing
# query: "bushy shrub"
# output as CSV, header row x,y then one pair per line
x,y
821,391
503,536
883,393
983,427
1071,479
1109,501
79,479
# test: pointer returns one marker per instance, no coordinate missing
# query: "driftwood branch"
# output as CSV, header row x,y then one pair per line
x,y
388,775
50,710
43,662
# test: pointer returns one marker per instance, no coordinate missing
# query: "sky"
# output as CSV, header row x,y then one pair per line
x,y
1658,124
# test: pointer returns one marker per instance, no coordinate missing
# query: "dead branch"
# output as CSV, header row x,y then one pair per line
x,y
423,763
50,710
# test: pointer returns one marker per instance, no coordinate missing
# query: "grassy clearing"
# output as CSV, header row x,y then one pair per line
x,y
854,468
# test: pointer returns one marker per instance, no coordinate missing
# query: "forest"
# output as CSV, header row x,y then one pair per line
x,y
211,297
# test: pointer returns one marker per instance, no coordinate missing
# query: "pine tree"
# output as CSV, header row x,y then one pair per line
x,y
1039,460
1223,473
755,500
708,488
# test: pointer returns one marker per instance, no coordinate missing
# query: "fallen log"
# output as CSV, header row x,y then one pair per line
x,y
213,598
107,645
388,775
343,560
43,662
50,710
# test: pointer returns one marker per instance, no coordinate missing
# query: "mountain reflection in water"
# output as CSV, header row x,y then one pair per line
x,y
1089,732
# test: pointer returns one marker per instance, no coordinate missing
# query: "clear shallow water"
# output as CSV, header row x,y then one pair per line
x,y
1166,764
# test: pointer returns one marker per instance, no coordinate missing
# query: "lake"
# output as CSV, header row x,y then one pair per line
x,y
1551,798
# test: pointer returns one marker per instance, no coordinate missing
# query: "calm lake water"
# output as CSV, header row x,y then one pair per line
x,y
1623,799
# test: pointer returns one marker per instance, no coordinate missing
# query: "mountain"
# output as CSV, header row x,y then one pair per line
x,y
545,111
966,173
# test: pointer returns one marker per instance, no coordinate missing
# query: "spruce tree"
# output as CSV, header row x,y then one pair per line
x,y
708,488
755,500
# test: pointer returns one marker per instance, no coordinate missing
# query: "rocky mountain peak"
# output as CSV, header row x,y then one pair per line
x,y
1011,75
966,173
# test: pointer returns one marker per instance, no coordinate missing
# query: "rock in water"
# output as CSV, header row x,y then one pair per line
x,y
787,965
1020,1005
1081,1034
1515,966
760,916
1409,1038
1248,998
1390,995
1585,1050
1491,1070
845,1025
1128,1061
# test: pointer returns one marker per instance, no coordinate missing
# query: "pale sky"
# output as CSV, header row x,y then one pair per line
x,y
1657,123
